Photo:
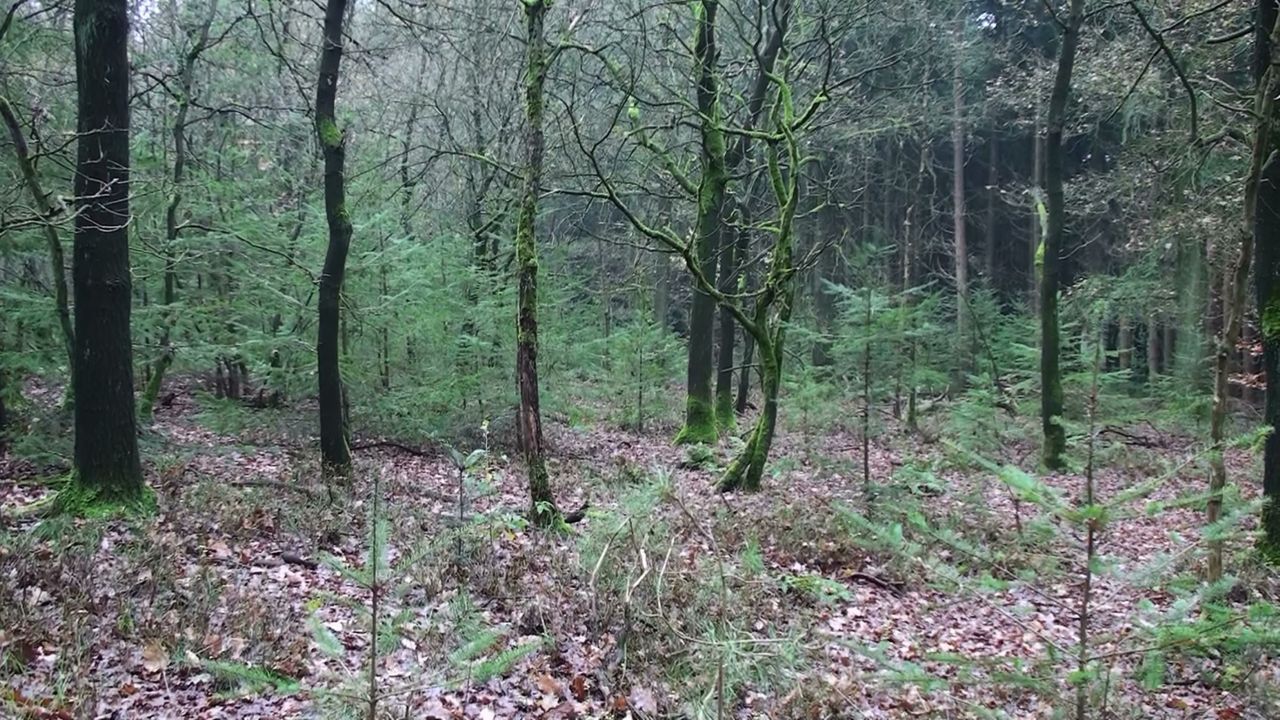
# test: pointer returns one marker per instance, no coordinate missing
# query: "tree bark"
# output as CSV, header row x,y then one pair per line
x,y
699,416
728,279
335,451
106,427
1051,404
1261,215
1266,240
542,509
958,139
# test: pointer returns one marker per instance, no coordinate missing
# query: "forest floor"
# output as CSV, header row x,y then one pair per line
x,y
243,595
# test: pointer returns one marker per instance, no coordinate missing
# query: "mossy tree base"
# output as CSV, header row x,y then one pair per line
x,y
699,424
108,501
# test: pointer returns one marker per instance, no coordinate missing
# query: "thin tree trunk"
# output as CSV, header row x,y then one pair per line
x,y
958,140
1124,342
106,424
993,194
1037,227
542,510
47,211
335,451
1153,347
724,358
1051,404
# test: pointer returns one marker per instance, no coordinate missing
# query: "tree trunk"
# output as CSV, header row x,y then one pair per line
x,y
993,196
1124,342
1262,217
1266,240
542,510
958,209
106,425
728,328
1153,347
699,418
335,451
1051,404
1036,225
47,211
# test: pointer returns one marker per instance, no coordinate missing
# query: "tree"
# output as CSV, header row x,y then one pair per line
x,y
529,418
699,414
172,228
335,450
107,465
1055,435
1265,217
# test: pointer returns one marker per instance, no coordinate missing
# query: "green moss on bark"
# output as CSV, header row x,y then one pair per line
x,y
330,135
111,500
699,424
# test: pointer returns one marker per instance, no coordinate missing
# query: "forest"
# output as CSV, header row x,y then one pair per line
x,y
643,359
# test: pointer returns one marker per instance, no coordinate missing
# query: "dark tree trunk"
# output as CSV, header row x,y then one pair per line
x,y
106,426
335,451
1266,239
542,509
724,358
4,410
1055,436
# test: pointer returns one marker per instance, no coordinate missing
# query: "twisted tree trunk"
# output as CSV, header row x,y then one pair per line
x,y
335,451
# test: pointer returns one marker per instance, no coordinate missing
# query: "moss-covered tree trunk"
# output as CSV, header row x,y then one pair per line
x,y
542,509
47,210
773,306
699,414
107,467
335,450
1266,241
1055,435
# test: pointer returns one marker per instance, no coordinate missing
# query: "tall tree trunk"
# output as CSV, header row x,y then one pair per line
x,y
1034,271
743,251
106,425
335,450
1266,239
958,208
1153,347
1262,218
1124,342
728,278
993,195
699,416
542,510
47,211
1055,436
